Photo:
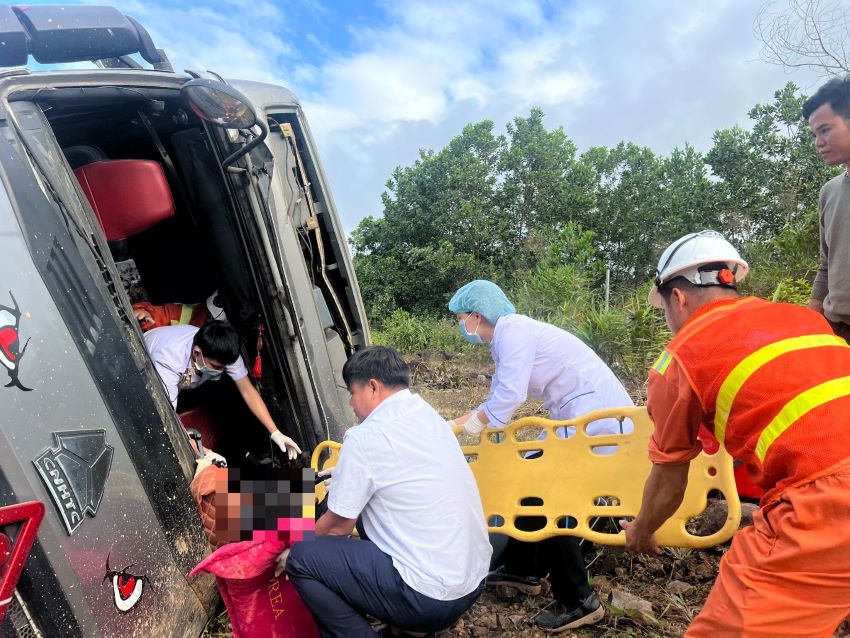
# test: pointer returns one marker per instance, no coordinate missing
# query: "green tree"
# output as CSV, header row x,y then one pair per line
x,y
437,225
543,187
770,176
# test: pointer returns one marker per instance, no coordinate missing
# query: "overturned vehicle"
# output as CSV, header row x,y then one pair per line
x,y
130,183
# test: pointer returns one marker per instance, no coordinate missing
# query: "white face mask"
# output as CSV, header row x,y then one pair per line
x,y
472,337
206,371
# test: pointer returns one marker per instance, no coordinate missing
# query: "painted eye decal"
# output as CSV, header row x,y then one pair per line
x,y
127,588
11,351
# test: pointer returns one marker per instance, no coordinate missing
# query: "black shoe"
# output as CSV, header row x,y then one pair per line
x,y
558,618
526,584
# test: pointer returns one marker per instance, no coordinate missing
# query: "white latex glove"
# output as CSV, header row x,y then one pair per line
x,y
286,445
327,482
473,425
280,562
207,459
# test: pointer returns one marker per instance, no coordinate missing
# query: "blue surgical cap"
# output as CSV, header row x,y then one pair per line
x,y
483,297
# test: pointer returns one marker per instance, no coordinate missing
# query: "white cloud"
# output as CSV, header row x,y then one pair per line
x,y
657,72
235,38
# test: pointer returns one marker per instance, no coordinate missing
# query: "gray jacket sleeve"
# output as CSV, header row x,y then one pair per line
x,y
821,284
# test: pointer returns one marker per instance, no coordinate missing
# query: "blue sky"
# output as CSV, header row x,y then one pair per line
x,y
379,80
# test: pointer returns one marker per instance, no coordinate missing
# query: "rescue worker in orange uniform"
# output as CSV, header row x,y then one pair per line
x,y
772,383
150,316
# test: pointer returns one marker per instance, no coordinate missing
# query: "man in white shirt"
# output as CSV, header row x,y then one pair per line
x,y
185,357
402,472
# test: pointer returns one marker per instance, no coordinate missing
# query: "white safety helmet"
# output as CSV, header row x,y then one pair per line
x,y
214,307
685,256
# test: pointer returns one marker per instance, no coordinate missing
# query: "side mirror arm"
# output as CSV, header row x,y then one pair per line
x,y
264,132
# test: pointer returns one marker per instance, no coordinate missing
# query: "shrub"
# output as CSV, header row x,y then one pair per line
x,y
628,337
790,290
783,267
411,334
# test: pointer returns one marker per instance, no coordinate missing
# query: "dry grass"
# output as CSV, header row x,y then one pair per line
x,y
454,387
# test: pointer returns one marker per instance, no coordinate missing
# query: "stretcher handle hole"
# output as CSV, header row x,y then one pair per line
x,y
712,471
496,437
529,433
604,450
532,501
530,455
567,522
496,521
530,523
606,501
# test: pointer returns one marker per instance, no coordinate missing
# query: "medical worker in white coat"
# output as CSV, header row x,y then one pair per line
x,y
551,364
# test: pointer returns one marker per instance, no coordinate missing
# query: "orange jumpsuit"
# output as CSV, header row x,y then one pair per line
x,y
172,314
772,383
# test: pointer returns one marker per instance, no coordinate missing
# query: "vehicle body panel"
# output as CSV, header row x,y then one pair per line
x,y
88,371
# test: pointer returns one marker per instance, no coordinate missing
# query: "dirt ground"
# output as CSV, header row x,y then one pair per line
x,y
673,585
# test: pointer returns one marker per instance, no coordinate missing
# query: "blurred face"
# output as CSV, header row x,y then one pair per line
x,y
365,397
832,135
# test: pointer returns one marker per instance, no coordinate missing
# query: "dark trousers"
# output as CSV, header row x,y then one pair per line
x,y
559,557
841,329
340,579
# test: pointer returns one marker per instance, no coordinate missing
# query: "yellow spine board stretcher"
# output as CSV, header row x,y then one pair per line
x,y
569,478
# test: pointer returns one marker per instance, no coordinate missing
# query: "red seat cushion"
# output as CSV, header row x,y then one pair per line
x,y
128,196
204,421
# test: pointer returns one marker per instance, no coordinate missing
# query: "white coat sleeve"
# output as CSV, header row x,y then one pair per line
x,y
237,369
509,388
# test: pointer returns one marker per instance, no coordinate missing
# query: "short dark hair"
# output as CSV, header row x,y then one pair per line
x,y
218,340
377,362
666,289
836,93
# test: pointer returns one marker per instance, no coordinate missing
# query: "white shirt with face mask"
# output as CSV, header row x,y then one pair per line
x,y
170,349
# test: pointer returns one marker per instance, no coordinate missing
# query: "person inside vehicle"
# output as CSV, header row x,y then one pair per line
x,y
152,316
186,356
403,474
537,358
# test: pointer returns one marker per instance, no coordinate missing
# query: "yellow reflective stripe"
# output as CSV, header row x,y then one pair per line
x,y
745,369
662,362
798,406
186,312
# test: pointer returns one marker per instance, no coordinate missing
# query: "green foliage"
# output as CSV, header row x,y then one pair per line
x,y
783,266
420,335
525,210
628,337
552,292
790,290
770,176
561,283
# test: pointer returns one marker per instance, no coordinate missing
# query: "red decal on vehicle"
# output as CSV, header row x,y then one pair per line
x,y
8,339
127,588
29,516
10,355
